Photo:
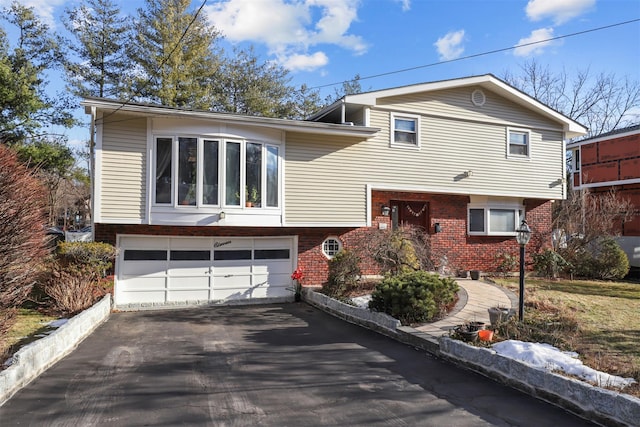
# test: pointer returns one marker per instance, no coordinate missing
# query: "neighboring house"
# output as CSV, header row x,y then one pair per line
x,y
212,207
611,161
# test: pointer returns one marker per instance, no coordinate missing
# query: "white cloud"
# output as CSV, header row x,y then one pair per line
x,y
287,27
406,5
302,62
559,11
449,46
43,9
534,37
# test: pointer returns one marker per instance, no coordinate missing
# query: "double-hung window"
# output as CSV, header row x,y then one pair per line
x,y
405,130
487,220
201,172
518,143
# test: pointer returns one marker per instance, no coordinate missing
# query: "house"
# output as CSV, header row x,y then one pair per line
x,y
611,161
208,206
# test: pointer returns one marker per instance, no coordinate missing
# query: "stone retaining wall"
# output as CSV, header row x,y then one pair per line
x,y
33,359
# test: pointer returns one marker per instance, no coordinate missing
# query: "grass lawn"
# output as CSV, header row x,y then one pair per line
x,y
603,319
29,324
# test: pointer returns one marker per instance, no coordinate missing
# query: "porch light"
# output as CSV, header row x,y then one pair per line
x,y
437,227
523,235
386,210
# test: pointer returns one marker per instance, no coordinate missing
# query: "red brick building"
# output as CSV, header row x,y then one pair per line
x,y
611,161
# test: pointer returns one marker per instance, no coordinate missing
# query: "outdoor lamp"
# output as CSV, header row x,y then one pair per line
x,y
437,227
386,210
523,235
222,215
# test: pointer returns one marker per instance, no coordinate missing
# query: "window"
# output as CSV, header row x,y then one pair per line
x,y
405,130
331,246
494,221
199,172
518,143
576,160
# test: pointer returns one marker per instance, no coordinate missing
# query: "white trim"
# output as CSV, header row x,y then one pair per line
x,y
515,130
608,183
489,205
133,221
462,192
392,127
335,238
326,224
369,202
96,215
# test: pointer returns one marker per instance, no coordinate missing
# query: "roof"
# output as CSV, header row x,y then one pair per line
x,y
155,110
571,128
616,133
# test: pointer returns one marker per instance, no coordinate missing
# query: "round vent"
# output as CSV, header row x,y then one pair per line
x,y
478,98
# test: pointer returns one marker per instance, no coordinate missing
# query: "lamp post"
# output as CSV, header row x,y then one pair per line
x,y
523,235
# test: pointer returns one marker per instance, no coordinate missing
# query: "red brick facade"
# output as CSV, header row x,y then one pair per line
x,y
463,252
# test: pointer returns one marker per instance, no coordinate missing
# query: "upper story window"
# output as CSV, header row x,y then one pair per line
x,y
576,160
405,130
518,143
192,171
488,220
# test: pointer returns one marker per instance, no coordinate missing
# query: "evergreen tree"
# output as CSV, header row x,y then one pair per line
x,y
102,34
25,109
176,55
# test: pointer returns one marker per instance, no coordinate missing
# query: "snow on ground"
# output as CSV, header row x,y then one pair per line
x,y
546,356
57,323
362,301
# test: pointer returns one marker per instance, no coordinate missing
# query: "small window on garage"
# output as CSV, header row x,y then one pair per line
x,y
145,255
271,254
190,255
331,246
232,255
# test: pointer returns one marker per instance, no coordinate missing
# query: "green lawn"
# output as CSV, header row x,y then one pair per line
x,y
606,316
29,323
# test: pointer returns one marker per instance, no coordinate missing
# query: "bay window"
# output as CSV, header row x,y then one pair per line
x,y
200,172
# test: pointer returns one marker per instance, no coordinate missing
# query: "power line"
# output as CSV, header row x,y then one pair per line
x,y
433,64
164,61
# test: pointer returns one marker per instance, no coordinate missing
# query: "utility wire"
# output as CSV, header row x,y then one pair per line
x,y
404,70
164,61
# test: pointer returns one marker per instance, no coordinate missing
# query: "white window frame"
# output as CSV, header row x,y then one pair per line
x,y
526,132
487,207
576,160
326,241
392,130
222,150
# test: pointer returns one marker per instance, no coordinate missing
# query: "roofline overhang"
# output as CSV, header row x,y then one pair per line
x,y
571,128
287,125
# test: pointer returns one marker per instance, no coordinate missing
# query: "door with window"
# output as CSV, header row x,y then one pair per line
x,y
406,213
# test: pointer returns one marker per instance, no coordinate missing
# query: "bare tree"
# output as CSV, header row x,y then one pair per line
x,y
602,102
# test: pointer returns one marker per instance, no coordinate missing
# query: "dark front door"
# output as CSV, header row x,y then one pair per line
x,y
409,213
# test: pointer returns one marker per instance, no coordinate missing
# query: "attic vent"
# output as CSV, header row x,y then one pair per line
x,y
478,98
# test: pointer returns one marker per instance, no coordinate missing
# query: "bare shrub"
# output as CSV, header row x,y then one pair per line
x,y
22,236
71,291
401,250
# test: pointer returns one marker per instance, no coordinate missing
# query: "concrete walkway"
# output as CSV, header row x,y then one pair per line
x,y
477,297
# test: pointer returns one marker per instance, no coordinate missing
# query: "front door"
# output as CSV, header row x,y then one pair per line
x,y
409,213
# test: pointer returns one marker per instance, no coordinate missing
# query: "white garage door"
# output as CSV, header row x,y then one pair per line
x,y
166,270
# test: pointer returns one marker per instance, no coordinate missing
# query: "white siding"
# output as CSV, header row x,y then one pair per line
x,y
123,171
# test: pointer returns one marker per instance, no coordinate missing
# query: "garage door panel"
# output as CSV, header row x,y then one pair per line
x,y
190,295
147,268
236,281
272,268
235,267
143,283
137,297
189,271
189,283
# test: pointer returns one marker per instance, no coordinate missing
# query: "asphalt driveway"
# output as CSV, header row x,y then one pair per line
x,y
275,365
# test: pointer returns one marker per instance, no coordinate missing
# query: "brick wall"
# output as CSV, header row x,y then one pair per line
x,y
462,252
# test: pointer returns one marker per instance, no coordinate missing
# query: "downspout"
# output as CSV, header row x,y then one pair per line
x,y
343,112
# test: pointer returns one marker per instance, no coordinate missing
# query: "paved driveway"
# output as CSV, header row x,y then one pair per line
x,y
276,365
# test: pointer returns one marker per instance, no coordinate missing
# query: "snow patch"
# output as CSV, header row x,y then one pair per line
x,y
550,358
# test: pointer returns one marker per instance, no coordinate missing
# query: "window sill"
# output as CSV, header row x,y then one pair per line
x,y
404,146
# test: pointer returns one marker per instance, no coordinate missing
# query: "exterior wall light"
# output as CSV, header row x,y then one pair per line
x,y
222,215
437,227
467,174
386,210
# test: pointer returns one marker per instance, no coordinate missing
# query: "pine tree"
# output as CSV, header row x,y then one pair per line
x,y
101,35
177,55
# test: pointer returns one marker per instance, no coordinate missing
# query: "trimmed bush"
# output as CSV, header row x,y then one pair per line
x,y
344,274
87,256
602,259
414,297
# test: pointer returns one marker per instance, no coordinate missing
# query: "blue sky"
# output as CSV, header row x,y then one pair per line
x,y
323,42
